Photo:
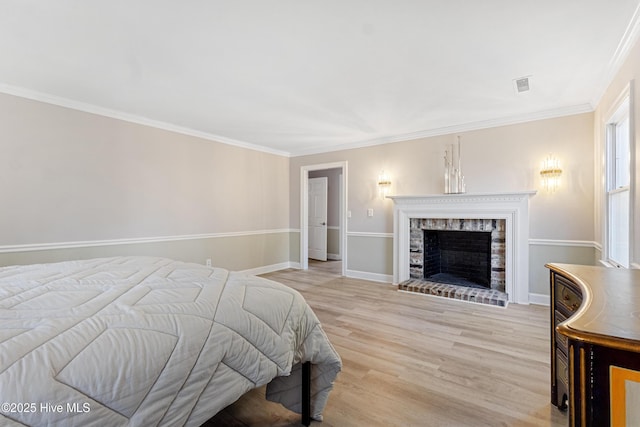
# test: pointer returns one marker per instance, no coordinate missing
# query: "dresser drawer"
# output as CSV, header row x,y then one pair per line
x,y
566,297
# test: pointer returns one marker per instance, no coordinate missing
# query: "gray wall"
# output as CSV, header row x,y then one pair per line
x,y
557,252
78,185
498,159
75,179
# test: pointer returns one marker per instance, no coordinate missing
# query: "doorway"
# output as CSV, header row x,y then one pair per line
x,y
336,215
318,216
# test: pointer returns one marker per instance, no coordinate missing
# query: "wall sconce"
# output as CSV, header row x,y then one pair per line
x,y
384,184
550,173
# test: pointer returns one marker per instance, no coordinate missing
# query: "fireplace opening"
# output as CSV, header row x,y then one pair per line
x,y
458,257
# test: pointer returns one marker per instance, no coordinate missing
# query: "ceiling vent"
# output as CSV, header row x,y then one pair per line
x,y
522,84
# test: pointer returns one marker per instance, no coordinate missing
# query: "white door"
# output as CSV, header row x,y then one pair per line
x,y
318,188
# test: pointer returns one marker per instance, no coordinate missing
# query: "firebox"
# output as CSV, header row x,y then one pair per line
x,y
458,257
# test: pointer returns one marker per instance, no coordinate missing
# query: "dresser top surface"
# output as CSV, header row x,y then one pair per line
x,y
610,310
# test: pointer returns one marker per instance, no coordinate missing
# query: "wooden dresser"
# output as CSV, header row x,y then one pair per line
x,y
595,344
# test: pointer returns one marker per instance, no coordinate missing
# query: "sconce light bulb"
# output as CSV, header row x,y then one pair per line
x,y
550,173
384,183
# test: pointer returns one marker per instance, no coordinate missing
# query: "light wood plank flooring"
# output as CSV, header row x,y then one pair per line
x,y
413,360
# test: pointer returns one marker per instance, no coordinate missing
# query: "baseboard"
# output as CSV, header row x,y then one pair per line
x,y
271,268
539,299
334,257
373,277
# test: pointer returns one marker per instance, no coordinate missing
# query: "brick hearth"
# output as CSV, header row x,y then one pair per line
x,y
463,293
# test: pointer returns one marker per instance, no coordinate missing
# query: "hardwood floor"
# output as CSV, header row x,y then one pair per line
x,y
414,360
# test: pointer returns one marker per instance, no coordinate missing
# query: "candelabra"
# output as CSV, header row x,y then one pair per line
x,y
453,178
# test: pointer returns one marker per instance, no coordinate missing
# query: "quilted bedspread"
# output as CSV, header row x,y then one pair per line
x,y
141,341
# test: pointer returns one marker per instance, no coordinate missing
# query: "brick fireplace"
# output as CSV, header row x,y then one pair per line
x,y
467,252
504,215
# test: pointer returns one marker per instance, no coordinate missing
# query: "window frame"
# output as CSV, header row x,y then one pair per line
x,y
621,109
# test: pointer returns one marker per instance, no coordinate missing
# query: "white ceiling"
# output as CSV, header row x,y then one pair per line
x,y
303,76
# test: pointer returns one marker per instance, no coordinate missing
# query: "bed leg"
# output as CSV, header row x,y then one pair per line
x,y
306,393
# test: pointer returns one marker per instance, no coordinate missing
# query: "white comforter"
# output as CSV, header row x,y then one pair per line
x,y
139,341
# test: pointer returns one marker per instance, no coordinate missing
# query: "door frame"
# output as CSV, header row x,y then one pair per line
x,y
304,212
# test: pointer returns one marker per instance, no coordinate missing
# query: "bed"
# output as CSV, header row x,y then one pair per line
x,y
133,341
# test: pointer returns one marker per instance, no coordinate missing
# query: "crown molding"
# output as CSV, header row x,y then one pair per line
x,y
132,118
629,39
447,130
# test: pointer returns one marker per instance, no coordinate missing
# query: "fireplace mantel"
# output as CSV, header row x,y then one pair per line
x,y
512,207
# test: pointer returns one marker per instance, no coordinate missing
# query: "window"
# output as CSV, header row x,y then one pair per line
x,y
618,185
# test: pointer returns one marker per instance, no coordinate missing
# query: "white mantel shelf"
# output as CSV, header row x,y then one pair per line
x,y
463,197
513,207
